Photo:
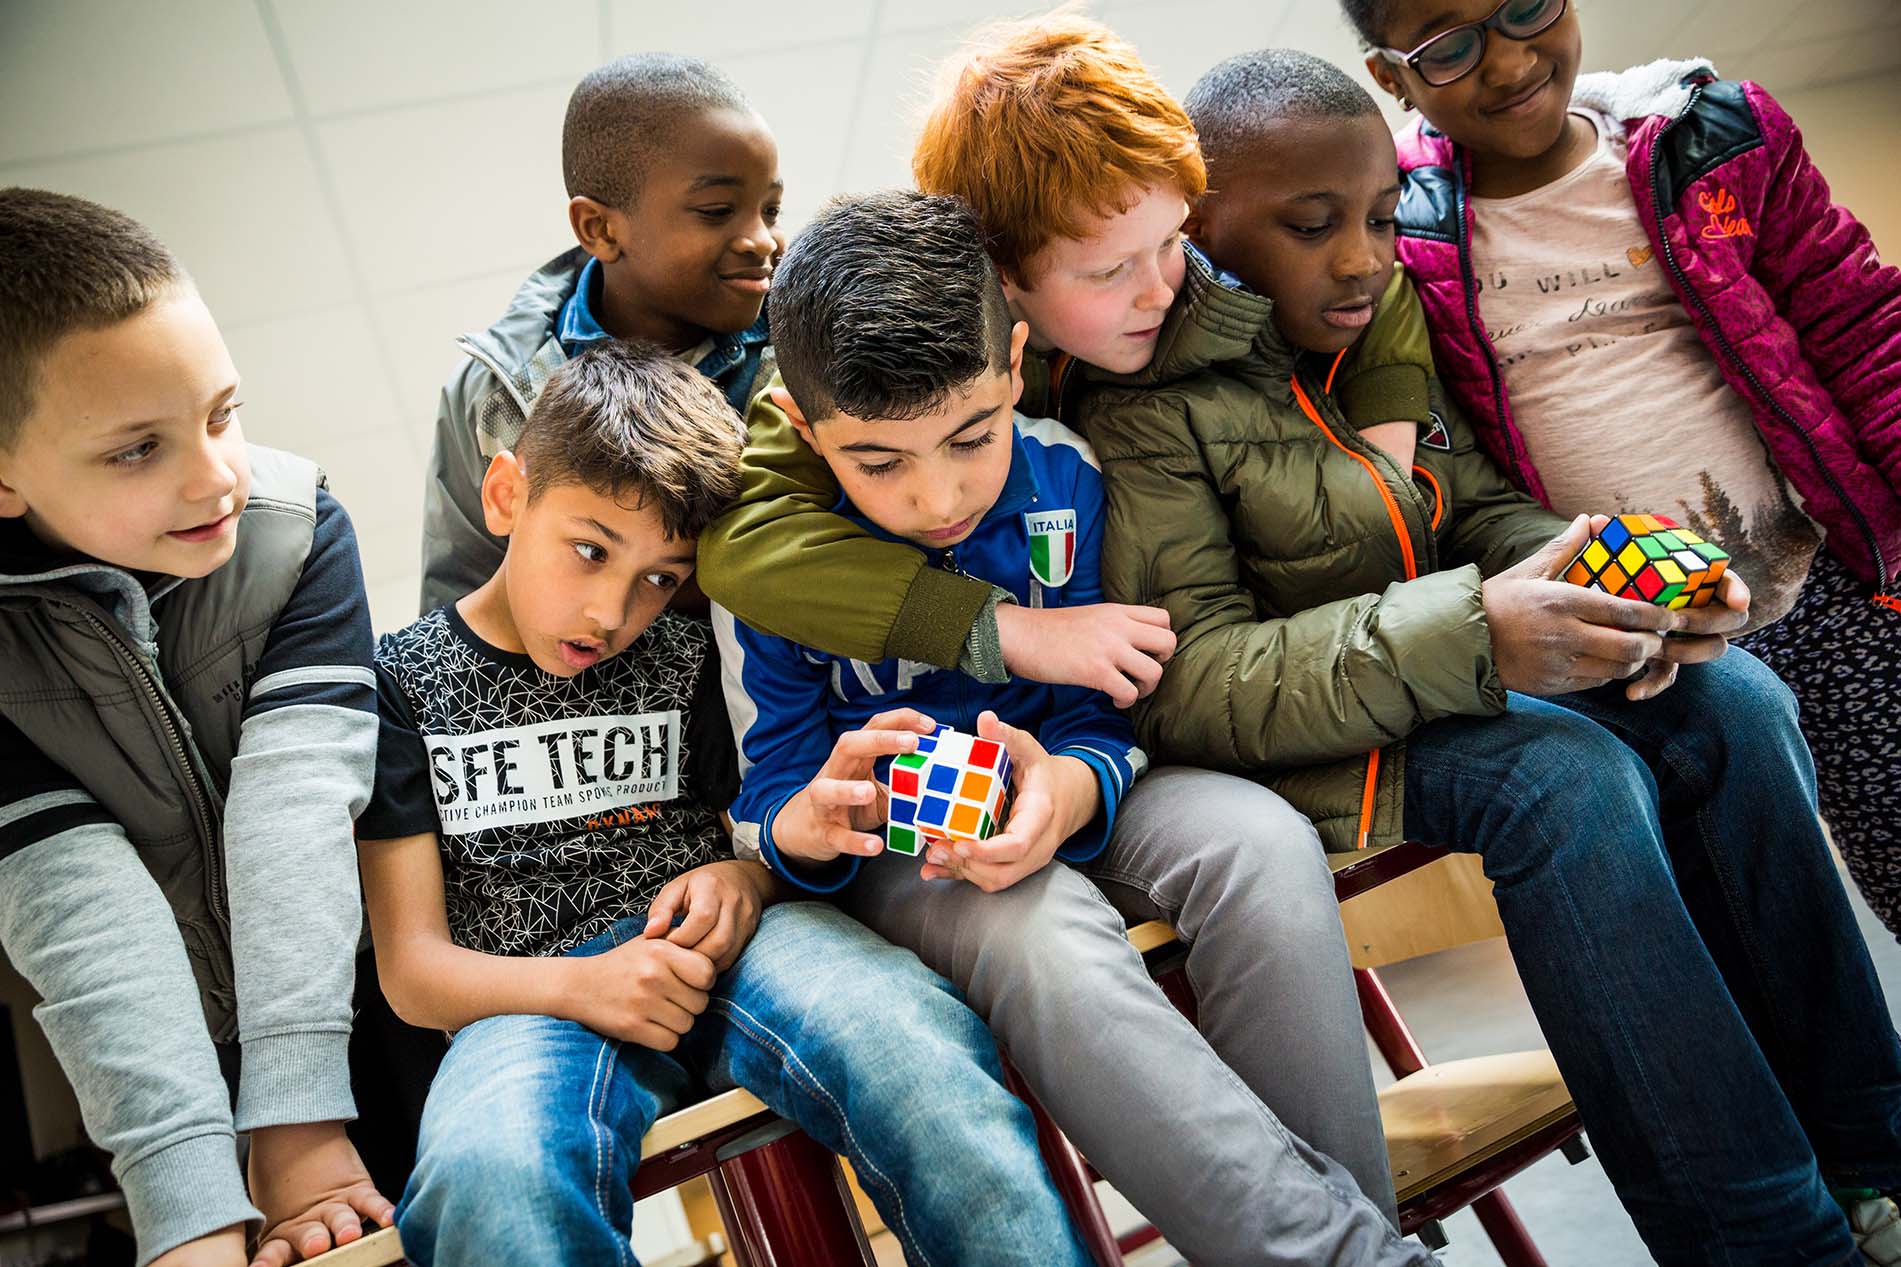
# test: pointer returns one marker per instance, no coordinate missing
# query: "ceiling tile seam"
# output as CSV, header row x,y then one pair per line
x,y
332,198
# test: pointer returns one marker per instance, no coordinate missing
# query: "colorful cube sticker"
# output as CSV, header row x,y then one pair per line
x,y
954,787
1651,559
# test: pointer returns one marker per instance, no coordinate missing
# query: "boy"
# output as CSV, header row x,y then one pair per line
x,y
1081,168
548,877
901,367
1363,639
673,194
186,729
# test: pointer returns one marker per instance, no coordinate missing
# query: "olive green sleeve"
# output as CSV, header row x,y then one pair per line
x,y
781,560
1384,375
1249,689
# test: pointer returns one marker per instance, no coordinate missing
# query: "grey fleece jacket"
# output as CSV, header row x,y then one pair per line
x,y
110,916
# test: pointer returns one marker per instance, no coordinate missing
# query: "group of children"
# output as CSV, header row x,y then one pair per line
x,y
1120,440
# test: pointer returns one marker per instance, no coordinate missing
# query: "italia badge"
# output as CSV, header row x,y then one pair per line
x,y
1052,545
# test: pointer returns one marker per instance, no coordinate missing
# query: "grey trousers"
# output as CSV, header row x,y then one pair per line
x,y
1254,1141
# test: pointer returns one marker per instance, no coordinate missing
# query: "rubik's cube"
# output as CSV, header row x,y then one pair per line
x,y
1649,557
954,787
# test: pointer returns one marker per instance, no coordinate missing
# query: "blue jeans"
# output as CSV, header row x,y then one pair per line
x,y
532,1128
1684,938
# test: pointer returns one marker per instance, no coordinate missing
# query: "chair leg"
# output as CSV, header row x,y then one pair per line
x,y
1385,1025
1509,1237
786,1205
1071,1176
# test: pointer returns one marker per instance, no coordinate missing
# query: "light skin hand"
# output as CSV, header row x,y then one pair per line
x,y
313,1190
1109,647
1550,637
1056,796
224,1248
843,804
1400,439
721,904
646,991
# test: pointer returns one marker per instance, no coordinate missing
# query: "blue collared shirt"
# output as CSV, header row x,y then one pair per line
x,y
732,362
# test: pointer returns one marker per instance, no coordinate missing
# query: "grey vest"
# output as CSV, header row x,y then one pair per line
x,y
149,726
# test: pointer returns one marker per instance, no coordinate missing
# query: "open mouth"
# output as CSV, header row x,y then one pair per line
x,y
579,653
1351,316
206,531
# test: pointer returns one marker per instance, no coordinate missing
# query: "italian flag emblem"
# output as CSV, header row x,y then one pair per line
x,y
1052,545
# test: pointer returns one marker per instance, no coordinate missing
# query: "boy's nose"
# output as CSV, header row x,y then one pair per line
x,y
213,477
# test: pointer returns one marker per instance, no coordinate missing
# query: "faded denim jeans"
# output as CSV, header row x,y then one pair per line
x,y
532,1129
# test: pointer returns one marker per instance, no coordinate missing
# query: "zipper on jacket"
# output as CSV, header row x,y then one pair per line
x,y
214,878
1404,534
1881,596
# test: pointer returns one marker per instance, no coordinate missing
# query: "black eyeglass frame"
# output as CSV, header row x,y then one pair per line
x,y
1491,22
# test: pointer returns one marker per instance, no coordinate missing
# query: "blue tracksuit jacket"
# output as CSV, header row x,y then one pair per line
x,y
789,703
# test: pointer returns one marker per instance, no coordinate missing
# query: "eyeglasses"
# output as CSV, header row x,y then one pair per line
x,y
1452,55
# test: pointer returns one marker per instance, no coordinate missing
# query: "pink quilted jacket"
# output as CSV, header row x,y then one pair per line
x,y
1784,287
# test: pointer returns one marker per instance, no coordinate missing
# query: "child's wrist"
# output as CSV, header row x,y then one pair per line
x,y
1082,797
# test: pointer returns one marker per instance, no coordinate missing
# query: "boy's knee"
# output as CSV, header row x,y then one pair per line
x,y
485,1167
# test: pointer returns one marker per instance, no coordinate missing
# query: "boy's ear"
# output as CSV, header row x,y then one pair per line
x,y
1019,336
1193,226
783,398
1380,67
597,227
504,493
12,505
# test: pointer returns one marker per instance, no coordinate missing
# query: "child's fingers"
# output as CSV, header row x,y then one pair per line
x,y
666,907
868,745
843,839
275,1252
837,793
1002,849
721,944
701,916
904,719
1030,817
343,1223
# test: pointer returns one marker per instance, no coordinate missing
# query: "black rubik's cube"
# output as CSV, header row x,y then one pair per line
x,y
1652,559
954,787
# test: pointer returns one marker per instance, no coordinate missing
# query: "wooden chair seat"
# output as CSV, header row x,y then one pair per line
x,y
1451,1118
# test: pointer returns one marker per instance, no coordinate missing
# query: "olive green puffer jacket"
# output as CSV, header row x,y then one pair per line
x,y
1326,602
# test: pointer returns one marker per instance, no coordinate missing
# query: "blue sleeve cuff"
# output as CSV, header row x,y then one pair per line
x,y
1093,838
822,878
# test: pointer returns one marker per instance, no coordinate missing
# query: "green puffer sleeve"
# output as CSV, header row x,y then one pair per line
x,y
782,561
1384,378
1249,689
1494,525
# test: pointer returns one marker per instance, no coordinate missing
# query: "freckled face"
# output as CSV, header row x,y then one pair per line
x,y
1102,297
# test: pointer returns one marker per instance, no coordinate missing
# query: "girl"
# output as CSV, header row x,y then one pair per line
x,y
1640,292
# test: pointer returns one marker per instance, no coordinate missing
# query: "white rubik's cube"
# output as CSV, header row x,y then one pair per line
x,y
954,787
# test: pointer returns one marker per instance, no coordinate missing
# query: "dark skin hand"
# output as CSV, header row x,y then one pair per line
x,y
1550,637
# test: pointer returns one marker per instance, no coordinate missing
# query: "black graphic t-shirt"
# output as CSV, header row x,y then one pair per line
x,y
563,804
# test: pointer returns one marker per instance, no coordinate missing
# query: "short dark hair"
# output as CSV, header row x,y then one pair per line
x,y
66,264
621,115
1369,18
886,304
1231,102
624,417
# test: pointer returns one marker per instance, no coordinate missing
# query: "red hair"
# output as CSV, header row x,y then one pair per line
x,y
1046,123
